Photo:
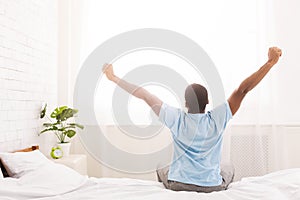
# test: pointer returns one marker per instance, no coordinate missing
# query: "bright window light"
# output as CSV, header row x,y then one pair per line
x,y
226,30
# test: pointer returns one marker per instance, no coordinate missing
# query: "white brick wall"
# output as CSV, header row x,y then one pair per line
x,y
28,67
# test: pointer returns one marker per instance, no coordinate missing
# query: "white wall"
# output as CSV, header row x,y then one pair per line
x,y
28,47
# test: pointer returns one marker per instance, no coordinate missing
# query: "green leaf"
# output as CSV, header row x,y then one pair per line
x,y
54,128
50,124
56,113
62,129
67,113
70,126
77,125
70,133
47,124
43,112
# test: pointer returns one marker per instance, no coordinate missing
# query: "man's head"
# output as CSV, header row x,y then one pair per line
x,y
196,98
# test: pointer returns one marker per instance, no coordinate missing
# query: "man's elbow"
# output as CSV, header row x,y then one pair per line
x,y
139,93
242,91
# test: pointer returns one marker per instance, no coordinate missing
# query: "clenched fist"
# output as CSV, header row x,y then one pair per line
x,y
274,54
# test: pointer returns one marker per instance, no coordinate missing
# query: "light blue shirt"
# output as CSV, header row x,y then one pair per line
x,y
197,144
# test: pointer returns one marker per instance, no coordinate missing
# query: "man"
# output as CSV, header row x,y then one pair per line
x,y
197,135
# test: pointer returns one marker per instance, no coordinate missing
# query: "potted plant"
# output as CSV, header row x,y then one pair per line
x,y
61,126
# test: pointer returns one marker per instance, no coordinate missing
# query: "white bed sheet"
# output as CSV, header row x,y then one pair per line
x,y
66,184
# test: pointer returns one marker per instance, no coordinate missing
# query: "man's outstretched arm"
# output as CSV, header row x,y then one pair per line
x,y
249,83
139,92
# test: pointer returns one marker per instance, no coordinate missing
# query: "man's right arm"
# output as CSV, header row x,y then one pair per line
x,y
249,83
153,101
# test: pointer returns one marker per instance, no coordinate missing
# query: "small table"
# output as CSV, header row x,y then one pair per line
x,y
78,162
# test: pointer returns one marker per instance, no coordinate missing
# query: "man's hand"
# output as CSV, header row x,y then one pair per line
x,y
109,71
274,54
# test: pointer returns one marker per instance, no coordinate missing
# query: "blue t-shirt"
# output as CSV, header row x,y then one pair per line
x,y
197,144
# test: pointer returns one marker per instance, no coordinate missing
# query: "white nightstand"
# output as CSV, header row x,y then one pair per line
x,y
74,161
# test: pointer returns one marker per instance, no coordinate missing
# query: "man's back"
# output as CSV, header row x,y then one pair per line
x,y
197,144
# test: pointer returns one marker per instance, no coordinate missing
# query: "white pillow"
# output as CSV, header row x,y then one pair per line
x,y
1,174
19,163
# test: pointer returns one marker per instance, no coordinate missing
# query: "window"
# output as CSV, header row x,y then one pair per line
x,y
227,30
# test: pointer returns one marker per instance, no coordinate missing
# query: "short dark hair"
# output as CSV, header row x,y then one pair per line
x,y
196,98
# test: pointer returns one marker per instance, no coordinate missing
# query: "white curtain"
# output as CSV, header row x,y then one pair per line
x,y
236,35
70,27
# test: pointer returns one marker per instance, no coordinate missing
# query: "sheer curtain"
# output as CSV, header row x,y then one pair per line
x,y
236,35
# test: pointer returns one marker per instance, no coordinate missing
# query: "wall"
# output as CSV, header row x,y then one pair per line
x,y
28,44
253,150
258,150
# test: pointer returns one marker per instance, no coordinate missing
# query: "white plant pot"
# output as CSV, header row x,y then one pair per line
x,y
65,147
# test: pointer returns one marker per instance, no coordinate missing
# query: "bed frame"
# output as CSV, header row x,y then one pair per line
x,y
32,148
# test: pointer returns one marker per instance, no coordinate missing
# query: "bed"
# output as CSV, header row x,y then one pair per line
x,y
33,176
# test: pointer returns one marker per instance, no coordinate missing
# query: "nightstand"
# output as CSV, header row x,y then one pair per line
x,y
74,161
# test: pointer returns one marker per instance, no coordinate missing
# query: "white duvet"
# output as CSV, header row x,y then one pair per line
x,y
56,181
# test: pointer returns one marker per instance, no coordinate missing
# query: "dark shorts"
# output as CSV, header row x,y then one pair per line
x,y
227,173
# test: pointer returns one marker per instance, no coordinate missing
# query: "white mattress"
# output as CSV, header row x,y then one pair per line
x,y
58,182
